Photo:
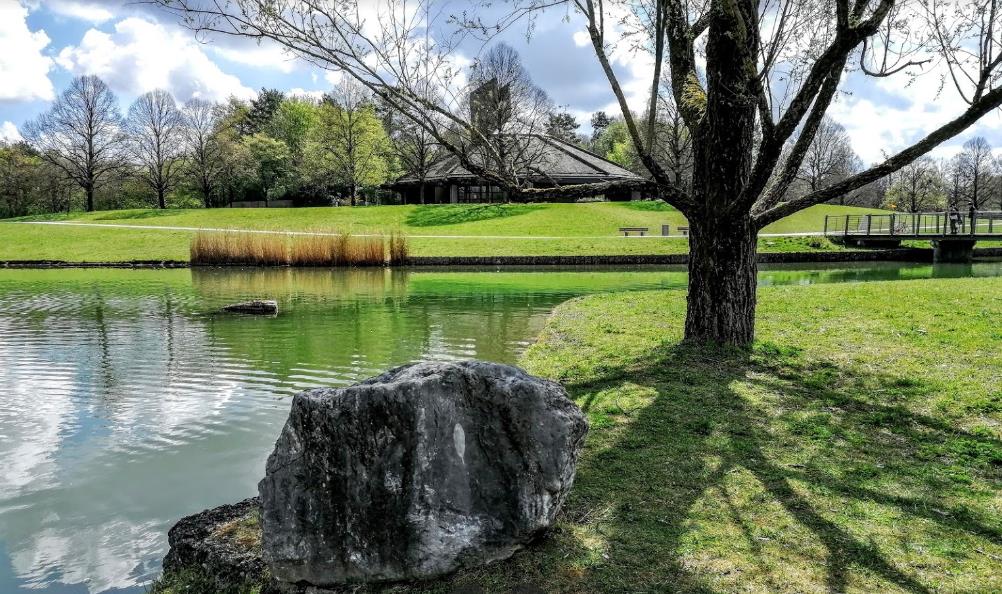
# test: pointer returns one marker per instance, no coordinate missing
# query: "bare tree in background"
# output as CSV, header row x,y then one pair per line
x,y
507,109
953,173
201,119
155,128
416,150
81,134
977,165
673,143
768,69
829,157
917,186
996,185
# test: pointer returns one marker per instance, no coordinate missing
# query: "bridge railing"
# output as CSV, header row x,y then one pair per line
x,y
932,224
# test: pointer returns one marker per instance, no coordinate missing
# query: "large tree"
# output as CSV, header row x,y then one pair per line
x,y
81,134
415,150
205,162
916,187
349,145
156,138
977,168
747,75
564,126
21,175
266,162
829,157
507,110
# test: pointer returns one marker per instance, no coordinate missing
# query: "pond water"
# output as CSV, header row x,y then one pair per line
x,y
127,401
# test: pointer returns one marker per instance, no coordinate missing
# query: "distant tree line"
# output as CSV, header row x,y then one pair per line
x,y
83,153
340,148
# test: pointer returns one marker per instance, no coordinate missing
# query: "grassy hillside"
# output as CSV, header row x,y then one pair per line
x,y
440,230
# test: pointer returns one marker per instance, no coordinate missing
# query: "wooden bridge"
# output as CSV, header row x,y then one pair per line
x,y
953,235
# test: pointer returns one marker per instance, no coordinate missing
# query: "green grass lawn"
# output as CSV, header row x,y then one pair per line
x,y
856,448
581,229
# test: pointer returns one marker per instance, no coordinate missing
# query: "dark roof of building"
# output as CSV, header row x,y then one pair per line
x,y
559,161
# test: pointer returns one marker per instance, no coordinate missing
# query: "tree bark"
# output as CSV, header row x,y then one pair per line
x,y
161,201
722,281
90,198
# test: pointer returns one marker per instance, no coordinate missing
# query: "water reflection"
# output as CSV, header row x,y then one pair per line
x,y
127,401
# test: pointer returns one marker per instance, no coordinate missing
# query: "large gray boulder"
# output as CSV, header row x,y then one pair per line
x,y
416,473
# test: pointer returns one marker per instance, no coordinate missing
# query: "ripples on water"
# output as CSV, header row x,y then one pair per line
x,y
127,401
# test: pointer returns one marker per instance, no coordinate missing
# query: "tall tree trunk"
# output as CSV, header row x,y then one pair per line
x,y
90,197
421,191
161,200
722,281
722,240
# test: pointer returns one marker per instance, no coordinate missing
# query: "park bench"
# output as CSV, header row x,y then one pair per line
x,y
627,230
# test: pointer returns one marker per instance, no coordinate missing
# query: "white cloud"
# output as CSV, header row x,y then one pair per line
x,y
266,56
140,56
85,11
9,132
886,115
333,77
24,69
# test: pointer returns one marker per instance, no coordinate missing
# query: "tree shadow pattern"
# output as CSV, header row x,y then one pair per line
x,y
703,423
440,215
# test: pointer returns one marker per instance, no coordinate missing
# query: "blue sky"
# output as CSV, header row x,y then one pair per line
x,y
135,48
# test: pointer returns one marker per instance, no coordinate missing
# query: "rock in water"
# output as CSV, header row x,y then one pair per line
x,y
416,473
258,306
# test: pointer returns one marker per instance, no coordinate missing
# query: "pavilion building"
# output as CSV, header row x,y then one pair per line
x,y
556,163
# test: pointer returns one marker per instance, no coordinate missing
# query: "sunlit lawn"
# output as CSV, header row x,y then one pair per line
x,y
483,230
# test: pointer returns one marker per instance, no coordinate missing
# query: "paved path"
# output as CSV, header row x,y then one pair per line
x,y
410,235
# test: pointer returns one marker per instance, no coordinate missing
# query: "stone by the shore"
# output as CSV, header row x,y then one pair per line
x,y
223,543
257,306
414,474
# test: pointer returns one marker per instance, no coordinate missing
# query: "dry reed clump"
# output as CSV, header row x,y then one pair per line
x,y
239,248
312,250
317,249
366,251
399,250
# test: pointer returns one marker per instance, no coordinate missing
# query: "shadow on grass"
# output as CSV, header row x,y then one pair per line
x,y
829,462
139,214
437,215
705,422
649,206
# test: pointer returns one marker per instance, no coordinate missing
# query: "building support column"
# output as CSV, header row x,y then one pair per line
x,y
453,194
